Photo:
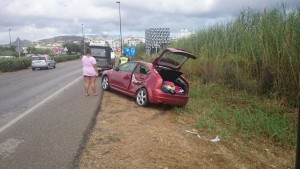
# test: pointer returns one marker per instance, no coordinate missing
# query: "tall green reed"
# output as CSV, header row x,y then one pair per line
x,y
258,51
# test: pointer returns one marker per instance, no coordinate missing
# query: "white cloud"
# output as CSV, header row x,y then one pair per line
x,y
37,19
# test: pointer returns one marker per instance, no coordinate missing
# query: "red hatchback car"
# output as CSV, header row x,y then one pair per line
x,y
159,82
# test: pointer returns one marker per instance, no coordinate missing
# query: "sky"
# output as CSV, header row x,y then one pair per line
x,y
34,20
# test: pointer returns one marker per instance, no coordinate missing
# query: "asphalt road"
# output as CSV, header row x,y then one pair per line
x,y
44,117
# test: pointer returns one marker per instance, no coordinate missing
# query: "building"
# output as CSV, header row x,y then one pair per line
x,y
133,41
184,33
156,38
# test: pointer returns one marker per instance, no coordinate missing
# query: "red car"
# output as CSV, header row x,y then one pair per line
x,y
159,82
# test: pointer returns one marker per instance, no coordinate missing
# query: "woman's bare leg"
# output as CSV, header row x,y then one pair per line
x,y
93,85
86,85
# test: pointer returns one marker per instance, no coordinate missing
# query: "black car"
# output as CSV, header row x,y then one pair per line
x,y
103,57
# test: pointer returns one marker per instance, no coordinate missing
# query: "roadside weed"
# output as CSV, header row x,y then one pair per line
x,y
227,113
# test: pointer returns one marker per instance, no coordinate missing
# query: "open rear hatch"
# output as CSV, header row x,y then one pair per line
x,y
168,64
173,58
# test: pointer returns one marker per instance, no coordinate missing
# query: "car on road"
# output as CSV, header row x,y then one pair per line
x,y
42,62
159,82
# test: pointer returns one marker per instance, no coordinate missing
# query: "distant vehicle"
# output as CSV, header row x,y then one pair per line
x,y
29,55
42,62
103,56
160,82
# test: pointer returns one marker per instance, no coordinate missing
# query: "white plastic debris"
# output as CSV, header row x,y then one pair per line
x,y
212,140
215,139
193,133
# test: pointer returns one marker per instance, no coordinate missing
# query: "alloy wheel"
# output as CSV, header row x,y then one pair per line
x,y
142,97
105,83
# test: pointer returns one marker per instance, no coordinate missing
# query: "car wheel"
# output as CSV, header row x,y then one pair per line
x,y
33,68
54,66
105,83
142,97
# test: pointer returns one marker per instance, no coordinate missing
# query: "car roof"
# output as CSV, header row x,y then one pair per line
x,y
140,61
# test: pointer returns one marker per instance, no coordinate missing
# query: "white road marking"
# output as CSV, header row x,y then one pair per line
x,y
37,105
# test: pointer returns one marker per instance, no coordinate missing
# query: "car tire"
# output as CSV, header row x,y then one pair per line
x,y
142,97
54,66
33,68
105,83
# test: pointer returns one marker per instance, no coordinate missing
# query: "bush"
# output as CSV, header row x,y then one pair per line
x,y
63,58
9,65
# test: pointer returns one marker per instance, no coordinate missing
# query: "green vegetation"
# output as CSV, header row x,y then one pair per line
x,y
5,51
38,50
247,76
14,64
228,112
64,57
257,52
73,48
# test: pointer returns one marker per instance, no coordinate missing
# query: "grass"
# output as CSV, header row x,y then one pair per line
x,y
226,112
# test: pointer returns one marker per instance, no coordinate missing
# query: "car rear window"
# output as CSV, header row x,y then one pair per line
x,y
38,58
98,52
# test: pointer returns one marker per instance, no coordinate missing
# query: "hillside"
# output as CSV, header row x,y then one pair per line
x,y
64,39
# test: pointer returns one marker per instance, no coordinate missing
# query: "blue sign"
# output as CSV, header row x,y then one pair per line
x,y
130,51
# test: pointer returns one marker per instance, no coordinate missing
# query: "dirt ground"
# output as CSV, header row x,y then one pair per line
x,y
127,136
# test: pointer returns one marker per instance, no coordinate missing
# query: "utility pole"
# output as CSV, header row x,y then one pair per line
x,y
118,2
19,47
83,39
9,37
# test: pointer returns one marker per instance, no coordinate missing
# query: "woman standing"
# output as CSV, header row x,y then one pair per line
x,y
90,72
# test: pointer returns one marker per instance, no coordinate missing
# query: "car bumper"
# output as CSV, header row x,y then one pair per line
x,y
169,99
39,65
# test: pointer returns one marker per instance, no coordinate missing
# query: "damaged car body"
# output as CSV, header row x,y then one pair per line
x,y
159,82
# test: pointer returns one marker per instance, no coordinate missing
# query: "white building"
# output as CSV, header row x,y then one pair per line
x,y
133,41
184,33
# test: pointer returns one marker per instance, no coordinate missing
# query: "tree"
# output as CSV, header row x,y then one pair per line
x,y
72,48
7,51
31,50
140,49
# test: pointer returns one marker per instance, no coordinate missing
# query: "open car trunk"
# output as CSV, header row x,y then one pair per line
x,y
179,84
